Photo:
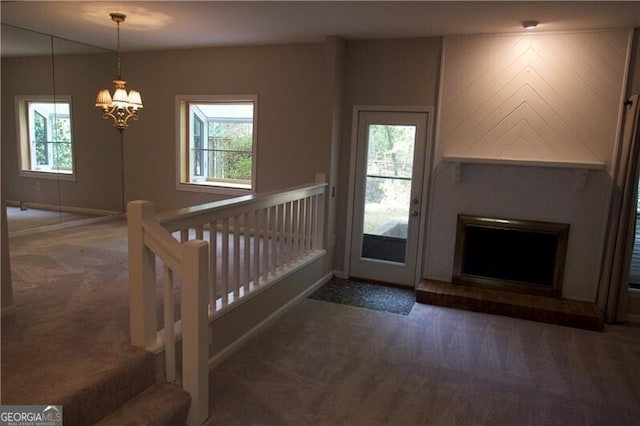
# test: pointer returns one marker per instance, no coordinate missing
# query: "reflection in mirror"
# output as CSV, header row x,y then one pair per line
x,y
58,163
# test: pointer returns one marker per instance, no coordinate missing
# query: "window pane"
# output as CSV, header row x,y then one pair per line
x,y
390,150
386,208
234,165
50,134
221,143
198,144
62,152
40,139
388,191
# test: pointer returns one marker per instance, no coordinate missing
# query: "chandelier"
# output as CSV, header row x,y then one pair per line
x,y
122,106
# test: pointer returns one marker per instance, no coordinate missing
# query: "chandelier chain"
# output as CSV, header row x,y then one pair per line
x,y
118,44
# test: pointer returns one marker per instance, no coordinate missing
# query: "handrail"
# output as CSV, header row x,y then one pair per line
x,y
162,244
216,210
278,231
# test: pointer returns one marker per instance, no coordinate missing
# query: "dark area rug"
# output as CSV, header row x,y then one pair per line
x,y
378,297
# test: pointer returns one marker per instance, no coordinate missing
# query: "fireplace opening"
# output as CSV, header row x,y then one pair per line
x,y
518,255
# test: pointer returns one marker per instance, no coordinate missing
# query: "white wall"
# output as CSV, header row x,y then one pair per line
x,y
540,97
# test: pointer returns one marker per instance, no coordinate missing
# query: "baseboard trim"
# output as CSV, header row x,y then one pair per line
x,y
340,274
66,209
635,318
63,225
237,344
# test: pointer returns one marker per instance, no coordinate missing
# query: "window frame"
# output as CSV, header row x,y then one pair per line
x,y
183,142
26,164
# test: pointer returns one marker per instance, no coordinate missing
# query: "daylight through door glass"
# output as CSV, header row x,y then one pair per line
x,y
388,191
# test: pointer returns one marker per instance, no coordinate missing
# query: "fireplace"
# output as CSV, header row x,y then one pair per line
x,y
516,255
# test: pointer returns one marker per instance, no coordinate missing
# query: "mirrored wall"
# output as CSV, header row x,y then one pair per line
x,y
60,161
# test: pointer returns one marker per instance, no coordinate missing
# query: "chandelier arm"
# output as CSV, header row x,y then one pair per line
x,y
131,114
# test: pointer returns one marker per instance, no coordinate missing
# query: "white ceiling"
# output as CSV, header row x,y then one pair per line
x,y
153,25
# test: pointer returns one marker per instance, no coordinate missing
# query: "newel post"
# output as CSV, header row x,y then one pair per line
x,y
195,326
142,278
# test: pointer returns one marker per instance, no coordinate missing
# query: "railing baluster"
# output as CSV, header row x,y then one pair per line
x,y
184,235
213,265
309,223
286,226
199,232
316,225
256,249
281,235
303,226
265,244
169,320
292,232
246,260
294,229
236,258
319,240
225,262
274,234
275,239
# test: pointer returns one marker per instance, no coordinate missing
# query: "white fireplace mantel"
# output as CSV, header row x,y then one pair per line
x,y
581,167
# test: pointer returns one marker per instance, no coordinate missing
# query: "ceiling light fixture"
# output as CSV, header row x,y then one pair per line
x,y
529,25
122,106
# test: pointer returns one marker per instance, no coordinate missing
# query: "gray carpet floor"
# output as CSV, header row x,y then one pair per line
x,y
320,363
71,325
333,364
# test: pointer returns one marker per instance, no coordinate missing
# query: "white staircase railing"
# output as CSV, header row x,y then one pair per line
x,y
219,254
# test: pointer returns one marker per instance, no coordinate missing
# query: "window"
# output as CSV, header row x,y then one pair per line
x,y
45,140
217,143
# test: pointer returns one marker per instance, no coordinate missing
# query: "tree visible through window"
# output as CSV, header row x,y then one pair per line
x,y
221,142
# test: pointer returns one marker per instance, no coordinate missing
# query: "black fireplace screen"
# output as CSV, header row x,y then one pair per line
x,y
521,255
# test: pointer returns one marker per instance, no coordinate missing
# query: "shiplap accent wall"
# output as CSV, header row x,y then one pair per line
x,y
530,97
533,96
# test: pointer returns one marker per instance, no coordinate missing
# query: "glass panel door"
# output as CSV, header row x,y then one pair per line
x,y
389,170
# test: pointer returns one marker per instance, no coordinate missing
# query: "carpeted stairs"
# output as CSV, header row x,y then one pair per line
x,y
67,343
164,404
119,389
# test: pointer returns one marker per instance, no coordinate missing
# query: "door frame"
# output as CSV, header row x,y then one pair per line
x,y
424,203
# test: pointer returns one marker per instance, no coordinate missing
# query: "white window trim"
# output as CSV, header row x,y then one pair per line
x,y
22,133
181,142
